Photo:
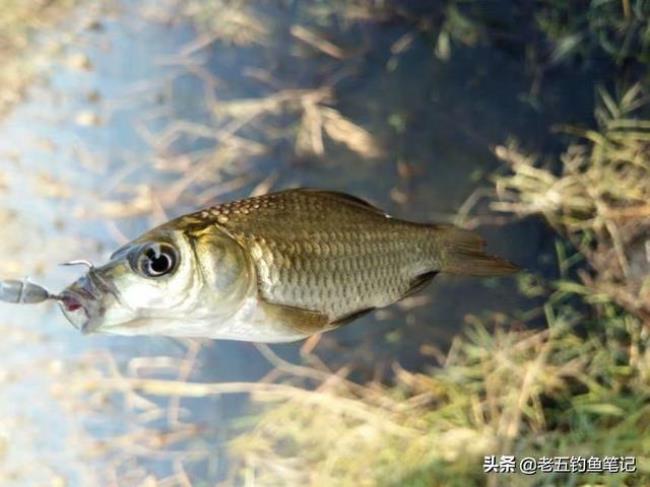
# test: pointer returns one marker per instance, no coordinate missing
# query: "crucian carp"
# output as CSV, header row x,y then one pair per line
x,y
272,268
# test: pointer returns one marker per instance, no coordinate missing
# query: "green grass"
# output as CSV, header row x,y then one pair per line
x,y
617,29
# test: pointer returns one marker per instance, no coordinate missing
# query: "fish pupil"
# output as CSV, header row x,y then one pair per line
x,y
158,262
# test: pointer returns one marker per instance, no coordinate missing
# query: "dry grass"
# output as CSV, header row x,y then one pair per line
x,y
538,393
21,59
600,201
546,392
233,22
316,119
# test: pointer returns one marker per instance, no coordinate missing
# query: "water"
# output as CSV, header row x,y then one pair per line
x,y
89,147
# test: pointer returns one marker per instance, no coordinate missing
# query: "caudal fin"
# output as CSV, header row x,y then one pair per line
x,y
465,255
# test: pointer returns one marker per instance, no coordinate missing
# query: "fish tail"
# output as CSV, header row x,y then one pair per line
x,y
464,254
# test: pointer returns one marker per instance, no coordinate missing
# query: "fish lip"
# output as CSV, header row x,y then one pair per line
x,y
85,297
82,301
77,301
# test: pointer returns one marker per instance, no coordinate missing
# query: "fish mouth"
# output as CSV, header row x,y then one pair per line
x,y
76,307
81,302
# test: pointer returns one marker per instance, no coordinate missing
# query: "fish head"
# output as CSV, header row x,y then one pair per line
x,y
169,281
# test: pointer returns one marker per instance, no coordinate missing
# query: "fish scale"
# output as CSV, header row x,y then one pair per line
x,y
333,254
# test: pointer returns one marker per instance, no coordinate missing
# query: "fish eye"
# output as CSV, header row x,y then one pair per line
x,y
156,259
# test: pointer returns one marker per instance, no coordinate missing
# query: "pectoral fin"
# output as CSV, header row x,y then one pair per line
x,y
302,320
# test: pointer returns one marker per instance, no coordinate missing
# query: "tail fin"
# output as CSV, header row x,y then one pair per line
x,y
464,255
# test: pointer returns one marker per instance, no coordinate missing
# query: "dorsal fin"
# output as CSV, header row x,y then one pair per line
x,y
344,197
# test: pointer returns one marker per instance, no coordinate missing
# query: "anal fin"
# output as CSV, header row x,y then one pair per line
x,y
420,282
344,320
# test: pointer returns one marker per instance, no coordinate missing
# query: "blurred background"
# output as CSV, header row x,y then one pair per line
x,y
526,121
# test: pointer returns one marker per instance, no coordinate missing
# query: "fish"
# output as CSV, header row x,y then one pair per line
x,y
273,268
